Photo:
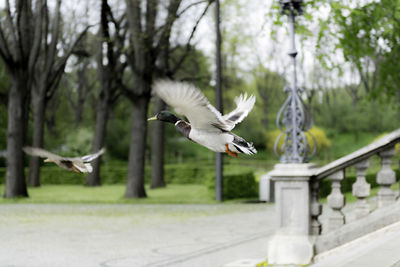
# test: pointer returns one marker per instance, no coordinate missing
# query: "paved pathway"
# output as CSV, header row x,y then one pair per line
x,y
133,235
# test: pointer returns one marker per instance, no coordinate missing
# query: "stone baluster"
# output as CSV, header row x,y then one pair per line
x,y
316,208
361,189
336,201
385,178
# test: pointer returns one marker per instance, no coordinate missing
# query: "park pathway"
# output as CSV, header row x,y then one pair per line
x,y
133,235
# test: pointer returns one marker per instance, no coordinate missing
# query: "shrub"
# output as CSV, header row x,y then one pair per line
x,y
57,175
184,174
174,174
319,135
237,185
239,182
2,174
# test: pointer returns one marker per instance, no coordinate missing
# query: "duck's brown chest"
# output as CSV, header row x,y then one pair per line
x,y
184,128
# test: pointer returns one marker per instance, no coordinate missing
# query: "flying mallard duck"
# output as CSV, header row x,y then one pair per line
x,y
207,127
78,164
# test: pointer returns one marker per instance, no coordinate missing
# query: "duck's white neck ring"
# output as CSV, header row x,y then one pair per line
x,y
176,123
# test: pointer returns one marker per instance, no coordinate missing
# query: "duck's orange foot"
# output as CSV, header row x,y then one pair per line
x,y
75,169
230,153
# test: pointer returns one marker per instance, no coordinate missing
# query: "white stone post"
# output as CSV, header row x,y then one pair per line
x,y
385,178
361,189
292,243
336,201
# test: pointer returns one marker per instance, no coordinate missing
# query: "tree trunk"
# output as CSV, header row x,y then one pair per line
x,y
135,179
157,148
93,179
15,177
38,106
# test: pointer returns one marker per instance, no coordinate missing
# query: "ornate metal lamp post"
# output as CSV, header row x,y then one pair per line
x,y
291,244
292,116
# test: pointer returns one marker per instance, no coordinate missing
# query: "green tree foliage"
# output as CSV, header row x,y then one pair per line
x,y
336,112
269,86
195,67
365,34
369,37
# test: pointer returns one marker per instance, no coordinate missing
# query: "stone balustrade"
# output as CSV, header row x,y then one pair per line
x,y
361,189
301,235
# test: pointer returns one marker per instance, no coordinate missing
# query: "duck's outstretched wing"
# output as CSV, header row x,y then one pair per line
x,y
243,106
90,157
40,152
186,99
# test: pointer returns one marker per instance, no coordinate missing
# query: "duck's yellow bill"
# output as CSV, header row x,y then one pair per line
x,y
152,118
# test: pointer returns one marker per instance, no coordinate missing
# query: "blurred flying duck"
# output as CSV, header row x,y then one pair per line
x,y
207,126
78,164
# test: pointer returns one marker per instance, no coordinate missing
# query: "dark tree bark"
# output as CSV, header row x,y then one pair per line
x,y
47,69
147,42
165,70
93,178
18,50
110,76
135,182
157,148
83,91
15,177
142,62
38,108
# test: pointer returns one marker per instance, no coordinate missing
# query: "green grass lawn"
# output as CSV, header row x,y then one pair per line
x,y
109,194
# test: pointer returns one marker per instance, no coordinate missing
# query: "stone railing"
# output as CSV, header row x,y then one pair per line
x,y
301,235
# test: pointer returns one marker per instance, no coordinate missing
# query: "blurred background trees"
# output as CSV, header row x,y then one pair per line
x,y
74,79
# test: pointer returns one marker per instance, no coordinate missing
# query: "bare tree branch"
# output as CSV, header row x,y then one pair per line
x,y
11,26
47,24
134,17
192,5
188,46
53,44
53,83
68,54
23,28
5,52
35,51
151,11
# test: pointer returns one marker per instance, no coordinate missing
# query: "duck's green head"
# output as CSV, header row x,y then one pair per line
x,y
165,116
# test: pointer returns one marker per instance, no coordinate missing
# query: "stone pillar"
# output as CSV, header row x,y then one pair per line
x,y
385,178
316,208
292,243
336,201
361,189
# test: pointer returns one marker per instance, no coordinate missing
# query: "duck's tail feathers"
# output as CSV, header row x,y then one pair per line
x,y
243,146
